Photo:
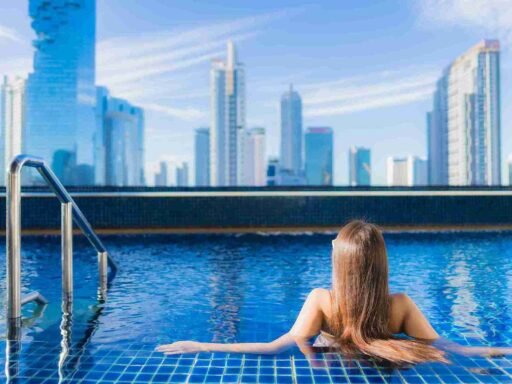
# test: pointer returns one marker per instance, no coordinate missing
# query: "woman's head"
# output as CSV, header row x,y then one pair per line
x,y
361,299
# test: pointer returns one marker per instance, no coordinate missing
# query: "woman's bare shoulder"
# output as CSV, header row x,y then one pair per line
x,y
400,303
322,298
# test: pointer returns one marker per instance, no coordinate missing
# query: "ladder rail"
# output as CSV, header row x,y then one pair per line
x,y
13,234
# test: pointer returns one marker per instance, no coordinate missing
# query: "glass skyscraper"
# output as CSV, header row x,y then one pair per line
x,y
464,125
291,132
255,157
319,152
60,121
202,157
119,141
227,120
359,166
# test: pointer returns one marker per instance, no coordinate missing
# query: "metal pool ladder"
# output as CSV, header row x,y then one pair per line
x,y
69,212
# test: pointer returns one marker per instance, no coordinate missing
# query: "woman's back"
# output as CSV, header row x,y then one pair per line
x,y
404,316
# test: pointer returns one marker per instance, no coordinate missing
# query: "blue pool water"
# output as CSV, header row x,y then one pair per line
x,y
229,288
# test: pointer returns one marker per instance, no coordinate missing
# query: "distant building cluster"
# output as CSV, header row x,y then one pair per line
x,y
90,137
463,131
58,113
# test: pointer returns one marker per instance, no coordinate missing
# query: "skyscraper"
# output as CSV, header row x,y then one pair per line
x,y
407,171
182,175
60,95
319,152
227,120
161,179
12,121
291,131
255,157
120,138
437,135
397,172
202,157
360,171
464,125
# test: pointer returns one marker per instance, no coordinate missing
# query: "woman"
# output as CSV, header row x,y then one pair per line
x,y
358,315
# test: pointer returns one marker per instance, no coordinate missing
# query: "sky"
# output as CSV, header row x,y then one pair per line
x,y
365,68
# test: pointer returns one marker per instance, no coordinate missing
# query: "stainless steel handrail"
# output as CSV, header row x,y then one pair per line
x,y
13,235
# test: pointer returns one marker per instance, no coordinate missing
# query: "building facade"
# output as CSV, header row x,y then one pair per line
x,y
12,121
407,171
291,132
255,158
120,140
319,153
161,179
464,126
227,80
360,171
182,175
202,157
60,93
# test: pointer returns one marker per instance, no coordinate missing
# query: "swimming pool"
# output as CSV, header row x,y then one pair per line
x,y
249,288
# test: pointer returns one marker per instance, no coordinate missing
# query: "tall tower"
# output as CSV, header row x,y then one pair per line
x,y
464,126
202,157
319,153
291,131
227,120
61,94
360,171
255,158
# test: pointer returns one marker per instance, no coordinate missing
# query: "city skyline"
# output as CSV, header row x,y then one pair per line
x,y
364,127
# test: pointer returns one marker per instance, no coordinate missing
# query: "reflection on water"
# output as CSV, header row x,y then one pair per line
x,y
250,288
464,307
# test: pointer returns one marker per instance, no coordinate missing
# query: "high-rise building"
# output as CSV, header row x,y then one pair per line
x,y
202,157
60,94
397,172
360,171
464,125
120,139
419,170
291,131
273,169
255,158
319,152
161,175
227,120
437,135
182,175
12,121
407,171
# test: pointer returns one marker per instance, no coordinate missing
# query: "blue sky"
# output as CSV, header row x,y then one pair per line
x,y
366,68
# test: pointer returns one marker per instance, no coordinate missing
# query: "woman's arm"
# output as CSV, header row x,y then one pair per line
x,y
416,325
278,345
307,325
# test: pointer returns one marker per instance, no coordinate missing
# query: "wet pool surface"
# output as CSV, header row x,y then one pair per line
x,y
228,288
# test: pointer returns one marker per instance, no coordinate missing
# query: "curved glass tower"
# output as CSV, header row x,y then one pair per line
x,y
61,95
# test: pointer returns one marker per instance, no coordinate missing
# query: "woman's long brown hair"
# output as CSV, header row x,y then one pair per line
x,y
361,299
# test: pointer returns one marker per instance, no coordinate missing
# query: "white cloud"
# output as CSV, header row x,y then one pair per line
x,y
187,113
10,34
493,17
139,66
359,93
